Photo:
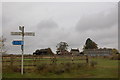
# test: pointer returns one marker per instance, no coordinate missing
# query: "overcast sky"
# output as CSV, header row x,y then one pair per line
x,y
53,22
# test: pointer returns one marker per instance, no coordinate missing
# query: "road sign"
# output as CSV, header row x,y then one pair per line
x,y
29,34
17,42
16,33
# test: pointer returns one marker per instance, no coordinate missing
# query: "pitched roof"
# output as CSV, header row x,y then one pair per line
x,y
75,50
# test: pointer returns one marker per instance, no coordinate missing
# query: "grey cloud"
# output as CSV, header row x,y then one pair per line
x,y
101,27
104,37
47,24
100,20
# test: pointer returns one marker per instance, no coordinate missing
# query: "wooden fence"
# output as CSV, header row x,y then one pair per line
x,y
33,60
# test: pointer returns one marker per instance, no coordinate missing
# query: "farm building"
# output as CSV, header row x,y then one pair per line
x,y
46,51
75,51
65,52
98,52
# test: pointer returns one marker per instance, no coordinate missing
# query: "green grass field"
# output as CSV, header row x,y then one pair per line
x,y
105,68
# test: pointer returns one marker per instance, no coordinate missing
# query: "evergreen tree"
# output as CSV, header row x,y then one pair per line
x,y
90,44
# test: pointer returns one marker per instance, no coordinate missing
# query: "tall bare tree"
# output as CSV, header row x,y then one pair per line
x,y
2,45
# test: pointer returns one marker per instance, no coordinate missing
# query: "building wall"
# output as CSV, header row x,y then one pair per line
x,y
75,52
98,52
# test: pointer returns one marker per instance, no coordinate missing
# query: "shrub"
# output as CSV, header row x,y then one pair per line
x,y
80,65
115,57
93,63
59,71
40,67
59,68
12,69
15,69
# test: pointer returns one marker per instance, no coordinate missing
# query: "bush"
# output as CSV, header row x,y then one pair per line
x,y
115,57
10,68
59,68
93,63
81,65
40,68
16,69
59,71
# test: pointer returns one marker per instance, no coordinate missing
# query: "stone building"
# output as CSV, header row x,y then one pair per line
x,y
98,52
46,51
75,51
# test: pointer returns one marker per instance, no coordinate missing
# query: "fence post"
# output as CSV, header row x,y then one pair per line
x,y
34,60
11,60
87,60
54,59
72,57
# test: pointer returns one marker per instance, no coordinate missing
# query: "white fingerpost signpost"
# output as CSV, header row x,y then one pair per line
x,y
21,42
